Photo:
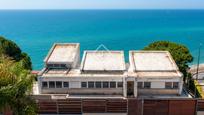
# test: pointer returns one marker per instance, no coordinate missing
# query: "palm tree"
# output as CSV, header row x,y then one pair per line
x,y
15,87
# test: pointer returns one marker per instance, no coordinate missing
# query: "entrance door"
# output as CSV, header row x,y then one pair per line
x,y
130,88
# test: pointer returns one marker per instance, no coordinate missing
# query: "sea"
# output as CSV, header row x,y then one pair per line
x,y
35,31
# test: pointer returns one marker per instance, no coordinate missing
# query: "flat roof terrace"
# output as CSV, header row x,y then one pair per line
x,y
62,53
153,64
152,61
103,61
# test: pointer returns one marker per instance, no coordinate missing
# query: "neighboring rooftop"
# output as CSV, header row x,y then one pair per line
x,y
152,61
103,61
62,53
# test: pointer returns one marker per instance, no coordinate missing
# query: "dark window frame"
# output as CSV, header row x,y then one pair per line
x,y
147,85
175,85
168,85
58,84
105,84
120,84
112,84
50,86
98,84
140,85
84,83
44,84
67,86
91,84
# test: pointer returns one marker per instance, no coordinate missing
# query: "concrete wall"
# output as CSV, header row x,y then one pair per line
x,y
200,113
158,86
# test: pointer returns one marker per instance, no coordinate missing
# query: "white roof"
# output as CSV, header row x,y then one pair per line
x,y
62,53
152,61
103,61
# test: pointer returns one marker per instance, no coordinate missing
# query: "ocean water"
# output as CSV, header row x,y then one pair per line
x,y
36,30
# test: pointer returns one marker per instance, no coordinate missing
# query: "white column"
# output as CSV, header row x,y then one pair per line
x,y
39,84
135,87
124,87
180,86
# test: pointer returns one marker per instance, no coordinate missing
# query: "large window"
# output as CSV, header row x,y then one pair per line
x,y
66,84
120,84
58,84
83,84
90,84
168,85
112,84
105,84
51,84
98,84
147,85
140,85
44,85
175,85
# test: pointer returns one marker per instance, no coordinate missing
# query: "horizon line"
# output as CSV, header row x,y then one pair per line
x,y
112,9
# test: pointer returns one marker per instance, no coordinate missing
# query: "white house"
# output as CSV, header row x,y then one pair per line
x,y
105,73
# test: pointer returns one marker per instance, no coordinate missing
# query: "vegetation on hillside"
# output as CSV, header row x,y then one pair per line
x,y
11,49
15,79
179,52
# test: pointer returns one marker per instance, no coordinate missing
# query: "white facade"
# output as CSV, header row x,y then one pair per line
x,y
156,73
105,73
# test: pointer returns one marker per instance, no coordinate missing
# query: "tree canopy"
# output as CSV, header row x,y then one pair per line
x,y
15,79
179,52
12,50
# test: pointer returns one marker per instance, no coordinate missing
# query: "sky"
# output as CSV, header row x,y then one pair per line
x,y
101,4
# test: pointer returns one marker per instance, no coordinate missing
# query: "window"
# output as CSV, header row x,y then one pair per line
x,y
175,85
98,84
44,85
147,85
51,84
112,84
120,84
105,84
63,65
90,84
140,85
168,85
56,65
50,65
65,84
83,84
58,84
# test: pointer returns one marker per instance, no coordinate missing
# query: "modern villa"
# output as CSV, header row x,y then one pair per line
x,y
105,73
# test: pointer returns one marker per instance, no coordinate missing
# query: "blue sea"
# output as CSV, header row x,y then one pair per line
x,y
36,30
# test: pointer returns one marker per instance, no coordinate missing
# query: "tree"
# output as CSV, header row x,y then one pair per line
x,y
179,52
11,49
15,79
15,86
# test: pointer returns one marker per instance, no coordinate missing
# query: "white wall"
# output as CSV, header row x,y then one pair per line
x,y
157,84
75,84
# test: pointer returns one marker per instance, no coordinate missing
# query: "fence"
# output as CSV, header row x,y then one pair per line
x,y
129,106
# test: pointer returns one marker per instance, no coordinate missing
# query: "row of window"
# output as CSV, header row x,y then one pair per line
x,y
99,84
57,84
90,84
168,85
105,84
